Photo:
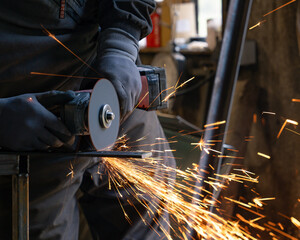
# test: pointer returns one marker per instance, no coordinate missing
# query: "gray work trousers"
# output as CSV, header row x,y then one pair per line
x,y
55,202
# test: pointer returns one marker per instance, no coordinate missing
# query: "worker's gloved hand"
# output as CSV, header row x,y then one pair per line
x,y
116,61
26,124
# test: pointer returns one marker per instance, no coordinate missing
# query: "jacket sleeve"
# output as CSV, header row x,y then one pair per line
x,y
133,16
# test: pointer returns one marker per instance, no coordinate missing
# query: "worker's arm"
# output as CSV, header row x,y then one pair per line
x,y
26,124
123,23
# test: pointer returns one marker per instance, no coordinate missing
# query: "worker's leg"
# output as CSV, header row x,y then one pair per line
x,y
53,205
101,206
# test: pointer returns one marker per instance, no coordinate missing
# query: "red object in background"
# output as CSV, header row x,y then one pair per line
x,y
153,39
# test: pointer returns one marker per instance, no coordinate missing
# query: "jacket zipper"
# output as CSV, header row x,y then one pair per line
x,y
62,9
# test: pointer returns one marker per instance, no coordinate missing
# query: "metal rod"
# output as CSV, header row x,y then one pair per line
x,y
20,201
115,154
226,77
227,71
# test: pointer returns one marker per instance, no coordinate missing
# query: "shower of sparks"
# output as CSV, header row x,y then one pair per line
x,y
188,207
284,124
263,155
136,177
276,9
175,88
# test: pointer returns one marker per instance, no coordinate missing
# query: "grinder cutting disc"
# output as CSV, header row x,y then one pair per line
x,y
103,115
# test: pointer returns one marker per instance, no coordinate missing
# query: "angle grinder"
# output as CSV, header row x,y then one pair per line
x,y
96,112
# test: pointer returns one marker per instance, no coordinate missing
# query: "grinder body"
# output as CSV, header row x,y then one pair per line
x,y
96,112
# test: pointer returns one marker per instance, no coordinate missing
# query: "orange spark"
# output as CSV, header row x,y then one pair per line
x,y
68,49
295,222
254,118
237,202
256,213
61,75
233,150
203,146
214,124
258,201
142,99
296,100
292,122
224,156
71,168
280,225
176,88
257,24
251,222
260,22
276,9
284,124
264,155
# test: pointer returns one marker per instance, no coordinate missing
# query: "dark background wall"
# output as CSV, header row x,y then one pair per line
x,y
271,86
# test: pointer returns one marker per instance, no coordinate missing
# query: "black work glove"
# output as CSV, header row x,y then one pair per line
x,y
26,124
116,61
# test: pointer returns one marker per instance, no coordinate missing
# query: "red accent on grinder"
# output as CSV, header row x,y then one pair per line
x,y
144,97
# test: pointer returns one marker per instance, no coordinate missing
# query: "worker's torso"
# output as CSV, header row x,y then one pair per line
x,y
26,47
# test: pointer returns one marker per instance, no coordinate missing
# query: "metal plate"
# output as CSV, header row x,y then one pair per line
x,y
103,93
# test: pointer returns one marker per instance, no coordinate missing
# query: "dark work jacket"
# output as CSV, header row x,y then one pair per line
x,y
26,47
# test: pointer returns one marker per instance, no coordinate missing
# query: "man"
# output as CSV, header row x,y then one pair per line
x,y
27,124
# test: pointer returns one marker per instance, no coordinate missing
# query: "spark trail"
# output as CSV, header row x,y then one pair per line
x,y
274,10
